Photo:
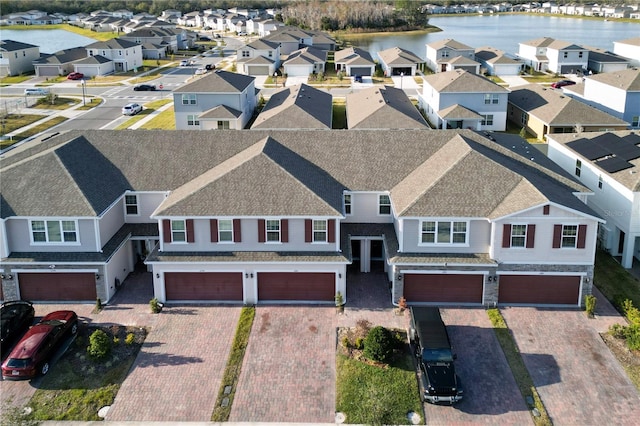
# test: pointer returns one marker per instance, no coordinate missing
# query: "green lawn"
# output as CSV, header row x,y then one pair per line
x,y
166,120
39,128
615,283
339,115
59,103
370,394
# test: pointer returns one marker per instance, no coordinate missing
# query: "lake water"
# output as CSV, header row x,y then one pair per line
x,y
504,32
50,41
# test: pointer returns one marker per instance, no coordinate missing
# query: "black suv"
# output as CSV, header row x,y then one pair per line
x,y
16,318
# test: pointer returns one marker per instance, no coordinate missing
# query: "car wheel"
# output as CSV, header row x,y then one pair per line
x,y
74,328
44,369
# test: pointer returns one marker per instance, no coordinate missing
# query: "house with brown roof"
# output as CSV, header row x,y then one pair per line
x,y
296,107
215,101
448,54
608,163
460,100
496,62
399,61
543,111
383,107
273,216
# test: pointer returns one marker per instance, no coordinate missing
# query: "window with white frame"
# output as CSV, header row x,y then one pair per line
x,y
443,232
131,204
569,236
524,118
491,98
347,204
273,230
518,235
223,125
384,205
192,120
445,53
635,121
178,231
319,231
487,120
189,99
225,230
54,231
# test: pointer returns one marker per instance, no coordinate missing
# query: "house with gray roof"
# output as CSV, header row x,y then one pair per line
x,y
171,39
126,55
296,107
59,63
460,100
17,57
602,61
290,39
628,48
259,57
383,107
354,61
273,216
542,111
557,56
448,54
305,62
608,163
215,101
398,61
496,62
616,93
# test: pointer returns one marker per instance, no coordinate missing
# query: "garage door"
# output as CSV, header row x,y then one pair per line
x,y
361,71
449,288
259,70
57,286
223,286
47,71
539,289
399,70
307,286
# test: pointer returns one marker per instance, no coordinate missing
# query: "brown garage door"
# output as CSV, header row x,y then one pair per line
x,y
539,289
309,286
223,286
80,286
449,288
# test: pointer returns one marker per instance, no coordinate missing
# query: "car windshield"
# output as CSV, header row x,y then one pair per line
x,y
54,323
18,363
435,355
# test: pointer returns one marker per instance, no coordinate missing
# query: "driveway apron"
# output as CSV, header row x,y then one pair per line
x,y
177,374
491,395
577,377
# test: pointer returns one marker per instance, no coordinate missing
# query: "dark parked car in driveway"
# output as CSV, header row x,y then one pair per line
x,y
15,318
32,354
562,83
144,87
209,67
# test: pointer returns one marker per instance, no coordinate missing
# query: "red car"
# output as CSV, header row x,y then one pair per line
x,y
562,83
75,76
32,354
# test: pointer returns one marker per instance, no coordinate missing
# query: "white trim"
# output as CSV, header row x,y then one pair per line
x,y
441,272
5,239
96,230
553,273
54,270
213,264
547,262
549,216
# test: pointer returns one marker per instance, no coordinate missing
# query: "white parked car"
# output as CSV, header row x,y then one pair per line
x,y
185,63
37,91
200,71
131,109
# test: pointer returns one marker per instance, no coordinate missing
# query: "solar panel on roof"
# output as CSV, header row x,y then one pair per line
x,y
632,138
621,148
588,149
613,164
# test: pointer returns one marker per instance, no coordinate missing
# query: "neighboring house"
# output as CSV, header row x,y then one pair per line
x,y
92,66
383,107
617,93
126,55
609,165
398,61
59,63
354,61
548,54
170,15
441,52
296,107
543,111
290,39
601,60
217,100
260,57
262,28
320,40
628,48
496,62
157,37
460,99
17,57
305,62
267,216
189,19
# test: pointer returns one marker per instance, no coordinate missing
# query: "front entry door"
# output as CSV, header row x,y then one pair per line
x,y
621,243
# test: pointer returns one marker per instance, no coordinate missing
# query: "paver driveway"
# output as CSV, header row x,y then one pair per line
x,y
579,380
491,395
289,369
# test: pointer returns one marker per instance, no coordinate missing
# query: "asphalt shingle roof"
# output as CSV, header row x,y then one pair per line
x,y
399,56
382,108
296,107
461,81
218,81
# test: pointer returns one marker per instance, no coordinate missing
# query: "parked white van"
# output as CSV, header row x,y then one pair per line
x,y
36,91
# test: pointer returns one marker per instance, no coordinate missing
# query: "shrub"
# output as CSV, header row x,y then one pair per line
x,y
155,306
339,299
631,312
116,340
633,337
618,331
98,305
359,343
378,345
590,304
362,328
99,344
130,339
345,342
